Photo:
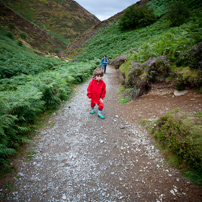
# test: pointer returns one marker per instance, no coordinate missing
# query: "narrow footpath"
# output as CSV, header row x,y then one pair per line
x,y
83,158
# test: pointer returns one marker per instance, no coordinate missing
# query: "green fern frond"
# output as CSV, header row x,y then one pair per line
x,y
25,139
3,162
4,151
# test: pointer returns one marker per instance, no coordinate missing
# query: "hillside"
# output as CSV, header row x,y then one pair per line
x,y
107,38
77,45
64,17
30,34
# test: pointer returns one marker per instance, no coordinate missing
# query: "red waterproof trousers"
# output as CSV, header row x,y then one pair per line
x,y
100,105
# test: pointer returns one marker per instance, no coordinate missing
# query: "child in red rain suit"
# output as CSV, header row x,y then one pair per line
x,y
96,91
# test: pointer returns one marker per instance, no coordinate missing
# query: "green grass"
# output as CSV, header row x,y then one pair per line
x,y
7,188
59,37
30,155
124,100
144,122
121,90
194,176
52,125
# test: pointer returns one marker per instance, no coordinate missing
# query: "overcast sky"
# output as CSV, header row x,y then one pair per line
x,y
104,9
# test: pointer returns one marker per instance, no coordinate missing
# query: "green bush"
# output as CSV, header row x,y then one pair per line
x,y
25,103
23,35
11,26
180,133
135,17
192,57
188,77
57,50
10,132
179,86
157,68
20,43
10,35
3,13
178,13
132,78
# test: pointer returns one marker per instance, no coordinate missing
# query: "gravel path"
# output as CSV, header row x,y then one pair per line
x,y
84,158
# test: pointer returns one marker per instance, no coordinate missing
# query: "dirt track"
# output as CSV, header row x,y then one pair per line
x,y
84,158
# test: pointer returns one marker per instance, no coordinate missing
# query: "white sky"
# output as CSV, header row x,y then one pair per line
x,y
104,9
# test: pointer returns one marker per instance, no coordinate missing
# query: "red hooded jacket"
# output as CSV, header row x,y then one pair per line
x,y
96,90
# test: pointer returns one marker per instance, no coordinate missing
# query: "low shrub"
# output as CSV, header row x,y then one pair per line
x,y
180,133
188,77
11,26
25,103
157,69
139,75
136,80
192,57
10,35
179,86
23,35
57,50
10,132
134,73
20,43
3,13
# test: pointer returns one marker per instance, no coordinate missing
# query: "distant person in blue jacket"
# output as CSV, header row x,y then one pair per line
x,y
104,63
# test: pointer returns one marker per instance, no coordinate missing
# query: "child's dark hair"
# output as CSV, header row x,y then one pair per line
x,y
98,72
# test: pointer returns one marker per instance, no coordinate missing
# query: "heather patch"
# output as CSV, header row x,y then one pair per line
x,y
180,133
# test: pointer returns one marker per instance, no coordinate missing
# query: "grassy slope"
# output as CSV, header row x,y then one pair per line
x,y
29,33
155,38
65,17
29,85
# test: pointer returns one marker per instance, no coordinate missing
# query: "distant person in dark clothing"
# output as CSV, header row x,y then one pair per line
x,y
104,63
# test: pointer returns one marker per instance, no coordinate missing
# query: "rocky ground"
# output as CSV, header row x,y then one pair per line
x,y
83,158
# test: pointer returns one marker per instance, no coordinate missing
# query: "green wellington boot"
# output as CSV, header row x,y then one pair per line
x,y
101,116
92,111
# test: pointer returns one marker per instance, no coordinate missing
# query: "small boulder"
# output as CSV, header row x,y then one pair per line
x,y
179,93
118,61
